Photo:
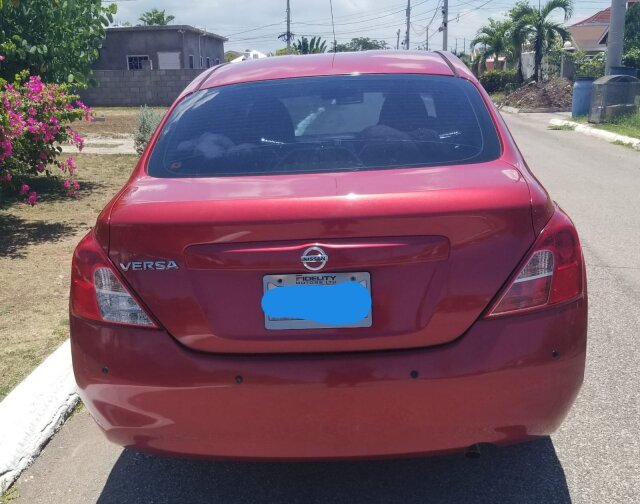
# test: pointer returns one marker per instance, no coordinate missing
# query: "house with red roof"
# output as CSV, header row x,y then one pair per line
x,y
590,35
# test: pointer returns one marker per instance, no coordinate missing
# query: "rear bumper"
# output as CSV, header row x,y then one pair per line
x,y
505,381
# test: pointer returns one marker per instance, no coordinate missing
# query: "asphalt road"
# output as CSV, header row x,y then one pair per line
x,y
594,458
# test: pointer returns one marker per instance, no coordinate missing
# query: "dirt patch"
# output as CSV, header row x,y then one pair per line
x,y
110,122
35,259
554,94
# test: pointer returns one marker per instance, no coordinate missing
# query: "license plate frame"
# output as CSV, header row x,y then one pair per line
x,y
312,278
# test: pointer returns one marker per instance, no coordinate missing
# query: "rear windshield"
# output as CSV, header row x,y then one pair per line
x,y
326,124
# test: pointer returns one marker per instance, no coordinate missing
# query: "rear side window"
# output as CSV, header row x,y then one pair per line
x,y
326,124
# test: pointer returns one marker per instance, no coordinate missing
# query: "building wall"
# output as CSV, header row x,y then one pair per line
x,y
529,66
126,88
196,45
120,43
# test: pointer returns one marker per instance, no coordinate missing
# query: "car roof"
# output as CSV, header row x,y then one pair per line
x,y
347,63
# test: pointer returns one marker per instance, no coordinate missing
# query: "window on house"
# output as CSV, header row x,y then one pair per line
x,y
135,62
208,62
169,60
191,61
217,61
201,62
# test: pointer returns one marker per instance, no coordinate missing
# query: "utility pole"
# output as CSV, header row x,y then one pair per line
x,y
406,39
427,39
398,42
445,21
616,34
288,27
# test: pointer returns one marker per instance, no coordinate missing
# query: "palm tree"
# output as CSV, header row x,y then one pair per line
x,y
520,32
495,40
544,31
313,46
156,17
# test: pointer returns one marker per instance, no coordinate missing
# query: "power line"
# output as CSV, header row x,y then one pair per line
x,y
418,33
435,11
351,22
426,16
466,13
361,15
366,19
371,27
252,29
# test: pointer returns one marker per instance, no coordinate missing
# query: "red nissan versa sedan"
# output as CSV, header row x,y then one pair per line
x,y
209,314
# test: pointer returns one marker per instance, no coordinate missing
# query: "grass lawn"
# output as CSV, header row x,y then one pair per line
x,y
498,97
35,260
111,122
628,125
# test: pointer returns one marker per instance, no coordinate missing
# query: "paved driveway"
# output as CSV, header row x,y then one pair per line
x,y
594,458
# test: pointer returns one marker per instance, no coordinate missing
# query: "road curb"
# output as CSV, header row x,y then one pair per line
x,y
597,133
539,110
34,411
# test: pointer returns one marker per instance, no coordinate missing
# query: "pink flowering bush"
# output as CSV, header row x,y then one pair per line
x,y
35,121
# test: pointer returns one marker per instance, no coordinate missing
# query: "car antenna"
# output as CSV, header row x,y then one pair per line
x,y
333,27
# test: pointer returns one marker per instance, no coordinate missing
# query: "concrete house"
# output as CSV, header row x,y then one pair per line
x,y
590,35
168,47
150,65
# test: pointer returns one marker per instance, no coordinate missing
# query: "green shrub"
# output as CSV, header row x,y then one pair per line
x,y
590,66
148,120
632,58
495,81
510,87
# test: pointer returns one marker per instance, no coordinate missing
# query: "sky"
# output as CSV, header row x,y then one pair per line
x,y
253,24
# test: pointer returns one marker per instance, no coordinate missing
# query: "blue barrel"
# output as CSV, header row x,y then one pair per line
x,y
581,100
622,70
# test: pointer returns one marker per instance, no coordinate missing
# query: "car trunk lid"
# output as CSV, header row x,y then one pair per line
x,y
437,243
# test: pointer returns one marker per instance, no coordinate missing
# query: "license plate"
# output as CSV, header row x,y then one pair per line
x,y
313,279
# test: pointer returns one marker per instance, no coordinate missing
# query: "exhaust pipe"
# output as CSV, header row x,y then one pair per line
x,y
472,451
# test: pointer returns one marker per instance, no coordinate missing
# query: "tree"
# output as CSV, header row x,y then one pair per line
x,y
632,28
544,31
632,58
156,17
519,32
361,44
284,51
495,40
56,39
231,55
313,46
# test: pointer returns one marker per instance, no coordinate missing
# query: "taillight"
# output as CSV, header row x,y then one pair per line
x,y
552,271
96,291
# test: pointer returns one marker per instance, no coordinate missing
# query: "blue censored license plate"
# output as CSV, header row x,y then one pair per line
x,y
317,300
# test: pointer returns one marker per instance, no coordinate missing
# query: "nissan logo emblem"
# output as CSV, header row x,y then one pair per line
x,y
314,258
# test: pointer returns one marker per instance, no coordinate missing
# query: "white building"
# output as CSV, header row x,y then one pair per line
x,y
249,54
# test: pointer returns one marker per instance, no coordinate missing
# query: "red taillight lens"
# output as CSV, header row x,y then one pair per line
x,y
96,291
552,271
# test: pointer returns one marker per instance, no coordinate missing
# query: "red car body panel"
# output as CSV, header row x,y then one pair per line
x,y
500,383
374,62
479,217
431,374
